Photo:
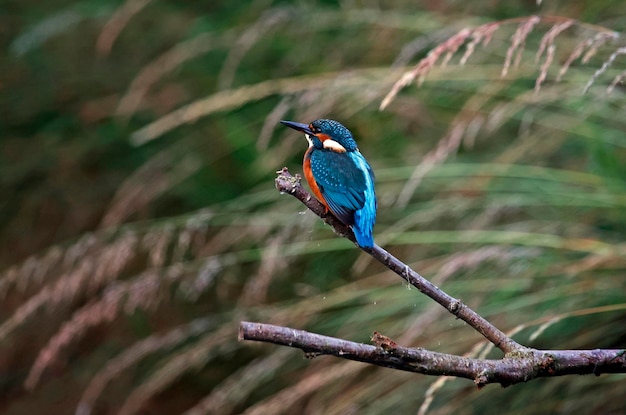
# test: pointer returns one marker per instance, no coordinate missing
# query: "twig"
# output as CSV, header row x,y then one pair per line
x,y
286,183
515,368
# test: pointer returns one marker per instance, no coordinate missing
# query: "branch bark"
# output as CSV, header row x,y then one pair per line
x,y
519,364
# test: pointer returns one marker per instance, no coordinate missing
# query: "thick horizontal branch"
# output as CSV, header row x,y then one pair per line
x,y
286,183
517,367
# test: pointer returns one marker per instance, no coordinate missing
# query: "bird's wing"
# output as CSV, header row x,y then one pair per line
x,y
341,181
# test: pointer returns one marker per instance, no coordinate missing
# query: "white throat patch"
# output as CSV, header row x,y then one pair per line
x,y
308,138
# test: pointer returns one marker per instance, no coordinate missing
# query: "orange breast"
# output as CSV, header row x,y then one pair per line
x,y
308,174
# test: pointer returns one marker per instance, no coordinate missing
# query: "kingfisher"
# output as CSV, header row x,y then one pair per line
x,y
339,176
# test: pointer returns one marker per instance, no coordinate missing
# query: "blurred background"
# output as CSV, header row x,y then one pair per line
x,y
139,223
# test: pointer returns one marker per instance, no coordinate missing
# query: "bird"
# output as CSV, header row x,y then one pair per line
x,y
339,176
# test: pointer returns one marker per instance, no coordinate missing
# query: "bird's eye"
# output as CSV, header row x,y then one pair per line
x,y
314,128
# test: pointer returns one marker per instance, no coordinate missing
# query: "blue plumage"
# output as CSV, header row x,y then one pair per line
x,y
340,176
365,217
341,183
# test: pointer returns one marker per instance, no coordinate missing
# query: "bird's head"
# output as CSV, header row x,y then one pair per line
x,y
326,134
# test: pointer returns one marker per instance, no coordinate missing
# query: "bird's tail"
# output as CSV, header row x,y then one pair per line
x,y
365,240
363,226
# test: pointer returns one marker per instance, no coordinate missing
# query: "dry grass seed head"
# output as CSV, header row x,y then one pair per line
x,y
133,354
481,34
87,277
192,357
547,45
518,41
589,45
605,66
143,292
423,67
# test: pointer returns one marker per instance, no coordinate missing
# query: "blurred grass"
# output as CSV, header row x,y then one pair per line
x,y
127,263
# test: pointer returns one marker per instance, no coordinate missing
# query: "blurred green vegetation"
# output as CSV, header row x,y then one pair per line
x,y
139,222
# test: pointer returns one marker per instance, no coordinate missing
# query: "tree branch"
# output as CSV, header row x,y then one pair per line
x,y
515,368
519,364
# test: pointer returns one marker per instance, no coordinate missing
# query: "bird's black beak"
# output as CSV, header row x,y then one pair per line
x,y
298,126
